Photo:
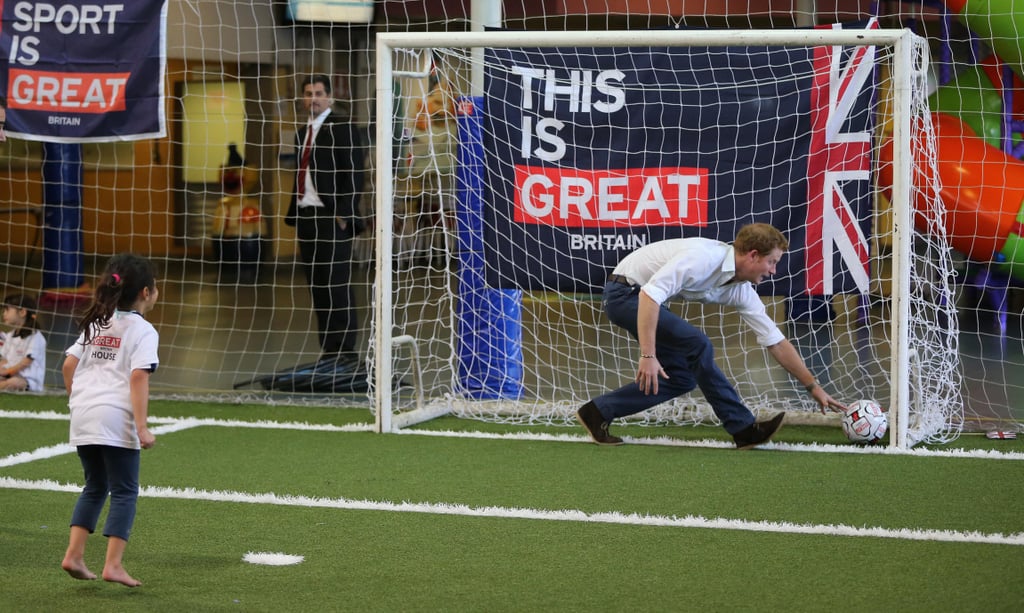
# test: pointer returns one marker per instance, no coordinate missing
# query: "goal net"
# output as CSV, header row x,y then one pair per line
x,y
534,162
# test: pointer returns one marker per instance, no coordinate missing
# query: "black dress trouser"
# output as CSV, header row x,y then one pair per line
x,y
326,251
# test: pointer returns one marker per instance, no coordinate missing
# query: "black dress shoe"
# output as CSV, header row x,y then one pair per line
x,y
594,422
758,433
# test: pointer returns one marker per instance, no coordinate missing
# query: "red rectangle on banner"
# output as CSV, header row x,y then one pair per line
x,y
67,92
611,198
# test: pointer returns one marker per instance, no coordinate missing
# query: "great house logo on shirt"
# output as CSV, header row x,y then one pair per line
x,y
105,347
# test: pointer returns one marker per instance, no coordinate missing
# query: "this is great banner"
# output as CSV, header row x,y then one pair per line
x,y
592,153
83,70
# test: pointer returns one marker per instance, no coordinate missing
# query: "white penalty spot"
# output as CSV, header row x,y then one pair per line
x,y
271,559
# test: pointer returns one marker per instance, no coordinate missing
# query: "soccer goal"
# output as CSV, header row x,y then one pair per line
x,y
540,159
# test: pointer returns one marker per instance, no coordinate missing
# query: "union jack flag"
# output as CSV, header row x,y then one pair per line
x,y
836,159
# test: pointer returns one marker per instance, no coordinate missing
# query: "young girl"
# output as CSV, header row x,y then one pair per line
x,y
106,373
23,349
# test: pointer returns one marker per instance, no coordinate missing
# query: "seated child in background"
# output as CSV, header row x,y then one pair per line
x,y
23,348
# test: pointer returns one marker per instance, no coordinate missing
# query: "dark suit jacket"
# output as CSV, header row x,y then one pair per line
x,y
337,170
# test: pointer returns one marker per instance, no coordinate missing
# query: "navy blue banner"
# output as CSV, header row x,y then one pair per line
x,y
592,153
84,70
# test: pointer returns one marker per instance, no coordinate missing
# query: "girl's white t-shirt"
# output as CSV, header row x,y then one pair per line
x,y
101,407
15,349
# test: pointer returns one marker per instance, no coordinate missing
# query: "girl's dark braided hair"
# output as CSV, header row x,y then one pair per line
x,y
125,276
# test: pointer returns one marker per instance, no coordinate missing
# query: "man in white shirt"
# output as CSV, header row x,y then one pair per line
x,y
677,357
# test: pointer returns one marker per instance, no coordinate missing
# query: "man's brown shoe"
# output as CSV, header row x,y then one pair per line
x,y
758,433
591,418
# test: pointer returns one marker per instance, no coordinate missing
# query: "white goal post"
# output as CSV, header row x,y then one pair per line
x,y
912,332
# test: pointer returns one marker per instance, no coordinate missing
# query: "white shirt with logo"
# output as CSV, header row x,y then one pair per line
x,y
14,349
101,408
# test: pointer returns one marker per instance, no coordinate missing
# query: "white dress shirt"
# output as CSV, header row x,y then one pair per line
x,y
698,270
309,196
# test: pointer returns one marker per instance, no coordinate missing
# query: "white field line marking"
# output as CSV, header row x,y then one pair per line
x,y
170,425
197,421
64,448
44,415
631,519
665,441
264,424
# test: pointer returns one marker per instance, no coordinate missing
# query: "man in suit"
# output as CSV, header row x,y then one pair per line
x,y
323,210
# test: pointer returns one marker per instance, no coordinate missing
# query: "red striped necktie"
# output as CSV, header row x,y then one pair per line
x,y
307,148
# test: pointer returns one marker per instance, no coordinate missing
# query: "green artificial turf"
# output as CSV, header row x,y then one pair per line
x,y
188,552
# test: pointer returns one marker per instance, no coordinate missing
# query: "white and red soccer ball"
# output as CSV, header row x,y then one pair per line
x,y
864,422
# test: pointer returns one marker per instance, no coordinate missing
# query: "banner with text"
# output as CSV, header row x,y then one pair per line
x,y
592,153
84,70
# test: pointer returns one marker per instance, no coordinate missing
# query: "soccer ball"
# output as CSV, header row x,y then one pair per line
x,y
865,422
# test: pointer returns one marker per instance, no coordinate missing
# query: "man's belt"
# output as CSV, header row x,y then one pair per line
x,y
621,280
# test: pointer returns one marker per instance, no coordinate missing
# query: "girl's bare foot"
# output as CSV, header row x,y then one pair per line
x,y
77,569
120,575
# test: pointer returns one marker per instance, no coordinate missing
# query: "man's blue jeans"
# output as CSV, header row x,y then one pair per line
x,y
687,356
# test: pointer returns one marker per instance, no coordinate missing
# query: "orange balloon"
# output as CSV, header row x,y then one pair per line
x,y
981,186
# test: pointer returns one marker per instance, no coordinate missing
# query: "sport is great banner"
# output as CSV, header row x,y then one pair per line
x,y
592,153
84,70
